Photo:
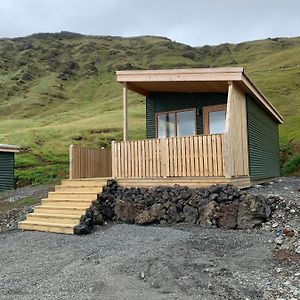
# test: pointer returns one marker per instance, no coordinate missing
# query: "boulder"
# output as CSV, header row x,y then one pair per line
x,y
144,218
190,214
156,211
227,215
252,212
207,213
127,211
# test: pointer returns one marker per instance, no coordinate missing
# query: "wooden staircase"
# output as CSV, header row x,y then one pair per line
x,y
63,208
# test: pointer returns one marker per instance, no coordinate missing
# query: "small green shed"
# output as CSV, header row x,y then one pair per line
x,y
7,162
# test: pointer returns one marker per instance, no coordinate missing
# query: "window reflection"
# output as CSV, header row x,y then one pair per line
x,y
173,124
217,122
162,126
185,123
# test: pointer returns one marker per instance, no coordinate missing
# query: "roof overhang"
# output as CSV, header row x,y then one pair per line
x,y
194,80
9,148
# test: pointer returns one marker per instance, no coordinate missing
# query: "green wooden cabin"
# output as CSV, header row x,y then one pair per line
x,y
203,127
208,123
7,159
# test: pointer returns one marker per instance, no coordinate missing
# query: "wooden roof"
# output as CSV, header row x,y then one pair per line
x,y
9,148
193,80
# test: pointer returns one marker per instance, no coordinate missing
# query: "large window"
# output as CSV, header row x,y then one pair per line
x,y
214,117
176,123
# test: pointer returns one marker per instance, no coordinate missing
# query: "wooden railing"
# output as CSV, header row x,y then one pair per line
x,y
89,163
170,157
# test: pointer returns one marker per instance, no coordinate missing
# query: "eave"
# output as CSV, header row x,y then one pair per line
x,y
194,80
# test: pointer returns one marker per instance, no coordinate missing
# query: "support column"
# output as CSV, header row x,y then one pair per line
x,y
125,112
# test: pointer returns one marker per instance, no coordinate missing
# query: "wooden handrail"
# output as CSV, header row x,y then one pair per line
x,y
169,157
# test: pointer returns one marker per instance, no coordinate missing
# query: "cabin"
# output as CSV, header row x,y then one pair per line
x,y
203,127
7,162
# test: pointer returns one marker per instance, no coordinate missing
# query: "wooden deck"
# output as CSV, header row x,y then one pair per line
x,y
192,182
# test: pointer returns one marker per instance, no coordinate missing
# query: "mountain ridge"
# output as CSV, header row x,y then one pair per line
x,y
59,88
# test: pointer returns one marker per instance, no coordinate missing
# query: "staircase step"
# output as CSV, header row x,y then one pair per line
x,y
50,209
85,182
49,227
66,200
66,203
53,218
75,195
78,189
62,210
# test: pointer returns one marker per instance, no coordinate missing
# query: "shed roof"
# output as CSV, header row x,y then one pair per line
x,y
194,80
9,148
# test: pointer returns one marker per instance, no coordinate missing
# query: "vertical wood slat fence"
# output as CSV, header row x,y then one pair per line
x,y
170,157
89,163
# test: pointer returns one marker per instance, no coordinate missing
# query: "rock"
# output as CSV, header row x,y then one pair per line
x,y
190,214
156,211
288,231
173,215
253,211
213,197
98,219
81,229
207,213
144,218
127,211
227,216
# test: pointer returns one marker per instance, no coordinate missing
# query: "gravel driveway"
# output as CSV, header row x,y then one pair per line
x,y
132,262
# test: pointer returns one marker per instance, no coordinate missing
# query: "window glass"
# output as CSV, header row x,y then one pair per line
x,y
171,124
162,126
186,123
217,122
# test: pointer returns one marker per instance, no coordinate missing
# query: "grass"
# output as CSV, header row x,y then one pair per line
x,y
292,165
57,90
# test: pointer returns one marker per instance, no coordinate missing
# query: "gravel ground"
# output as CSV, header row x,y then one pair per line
x,y
121,261
132,262
14,209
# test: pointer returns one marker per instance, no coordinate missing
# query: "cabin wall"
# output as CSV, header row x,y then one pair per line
x,y
263,140
163,102
6,170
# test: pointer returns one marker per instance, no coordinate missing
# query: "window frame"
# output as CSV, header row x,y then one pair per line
x,y
207,110
175,119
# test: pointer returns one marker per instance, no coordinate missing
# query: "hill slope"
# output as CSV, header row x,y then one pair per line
x,y
59,89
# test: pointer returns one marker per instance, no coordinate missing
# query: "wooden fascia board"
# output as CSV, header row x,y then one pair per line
x,y
184,71
9,150
259,95
170,77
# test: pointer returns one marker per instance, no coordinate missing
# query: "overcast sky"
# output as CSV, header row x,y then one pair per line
x,y
194,22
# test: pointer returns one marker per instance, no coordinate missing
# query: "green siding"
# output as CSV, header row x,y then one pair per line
x,y
6,171
263,141
163,102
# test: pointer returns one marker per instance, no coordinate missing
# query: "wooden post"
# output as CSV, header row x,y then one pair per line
x,y
227,138
113,157
125,112
71,161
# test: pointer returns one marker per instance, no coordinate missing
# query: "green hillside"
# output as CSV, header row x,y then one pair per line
x,y
60,89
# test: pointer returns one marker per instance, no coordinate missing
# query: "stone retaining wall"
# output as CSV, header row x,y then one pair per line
x,y
219,206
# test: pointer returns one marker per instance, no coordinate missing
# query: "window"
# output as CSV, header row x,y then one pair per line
x,y
176,123
214,118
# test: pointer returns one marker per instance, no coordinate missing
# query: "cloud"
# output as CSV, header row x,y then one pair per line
x,y
195,22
